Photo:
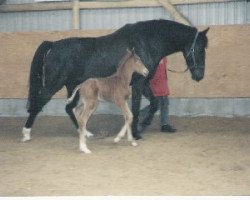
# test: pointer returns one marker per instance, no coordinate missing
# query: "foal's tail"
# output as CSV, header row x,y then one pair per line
x,y
70,99
36,75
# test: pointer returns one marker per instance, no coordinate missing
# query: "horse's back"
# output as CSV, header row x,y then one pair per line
x,y
80,58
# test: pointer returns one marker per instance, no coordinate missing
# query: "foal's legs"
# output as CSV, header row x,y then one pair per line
x,y
127,126
83,113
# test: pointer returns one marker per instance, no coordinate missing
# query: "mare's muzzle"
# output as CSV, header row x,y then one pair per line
x,y
197,74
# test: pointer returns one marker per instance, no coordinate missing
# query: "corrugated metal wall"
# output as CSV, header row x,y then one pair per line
x,y
237,12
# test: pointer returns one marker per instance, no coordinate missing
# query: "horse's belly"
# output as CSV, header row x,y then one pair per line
x,y
102,96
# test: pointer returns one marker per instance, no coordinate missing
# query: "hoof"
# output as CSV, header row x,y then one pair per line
x,y
116,140
26,134
134,143
24,139
86,151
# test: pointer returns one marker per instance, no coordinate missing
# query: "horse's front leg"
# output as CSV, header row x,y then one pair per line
x,y
153,107
136,103
128,116
121,133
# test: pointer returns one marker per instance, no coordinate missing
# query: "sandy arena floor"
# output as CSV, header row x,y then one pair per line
x,y
207,156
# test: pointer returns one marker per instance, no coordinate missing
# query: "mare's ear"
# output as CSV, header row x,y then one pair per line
x,y
205,31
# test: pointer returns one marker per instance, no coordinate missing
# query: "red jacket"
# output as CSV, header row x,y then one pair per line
x,y
159,83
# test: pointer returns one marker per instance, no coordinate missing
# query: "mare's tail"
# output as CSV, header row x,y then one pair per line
x,y
37,76
70,99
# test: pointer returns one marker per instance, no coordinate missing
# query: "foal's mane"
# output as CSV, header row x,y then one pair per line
x,y
125,58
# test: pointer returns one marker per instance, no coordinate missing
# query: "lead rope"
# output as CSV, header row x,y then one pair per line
x,y
178,72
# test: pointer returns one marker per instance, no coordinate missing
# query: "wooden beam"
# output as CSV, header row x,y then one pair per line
x,y
120,4
174,12
96,5
76,15
177,2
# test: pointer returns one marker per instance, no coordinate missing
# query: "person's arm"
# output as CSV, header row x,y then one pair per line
x,y
165,61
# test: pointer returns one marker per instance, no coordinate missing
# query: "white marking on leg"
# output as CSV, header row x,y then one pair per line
x,y
134,143
26,134
129,133
83,145
121,134
130,137
89,134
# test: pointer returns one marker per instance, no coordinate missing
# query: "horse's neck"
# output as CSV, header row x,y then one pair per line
x,y
125,73
178,38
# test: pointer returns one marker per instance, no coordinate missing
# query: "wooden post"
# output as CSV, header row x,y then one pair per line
x,y
172,10
76,15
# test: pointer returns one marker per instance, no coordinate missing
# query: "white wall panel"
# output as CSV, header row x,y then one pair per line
x,y
236,12
36,21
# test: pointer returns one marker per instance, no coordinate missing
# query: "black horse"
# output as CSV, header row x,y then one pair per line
x,y
71,61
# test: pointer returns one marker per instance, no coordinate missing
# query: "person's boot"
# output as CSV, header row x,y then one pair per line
x,y
168,129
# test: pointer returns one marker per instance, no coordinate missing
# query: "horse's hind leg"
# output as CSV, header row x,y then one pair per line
x,y
70,106
27,128
34,109
82,114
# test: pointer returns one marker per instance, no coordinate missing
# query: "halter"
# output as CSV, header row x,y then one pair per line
x,y
190,52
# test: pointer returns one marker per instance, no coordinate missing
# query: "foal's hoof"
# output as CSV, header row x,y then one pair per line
x,y
134,143
25,139
87,151
116,140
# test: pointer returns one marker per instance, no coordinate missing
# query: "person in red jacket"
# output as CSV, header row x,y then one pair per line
x,y
160,89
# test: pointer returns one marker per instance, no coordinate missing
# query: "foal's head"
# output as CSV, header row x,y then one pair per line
x,y
134,63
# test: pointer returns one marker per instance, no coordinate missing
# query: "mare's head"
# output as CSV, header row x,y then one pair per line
x,y
195,54
135,63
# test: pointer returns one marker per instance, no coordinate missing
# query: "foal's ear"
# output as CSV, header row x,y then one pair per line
x,y
205,31
133,50
128,50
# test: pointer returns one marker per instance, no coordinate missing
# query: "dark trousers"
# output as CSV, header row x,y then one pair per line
x,y
163,107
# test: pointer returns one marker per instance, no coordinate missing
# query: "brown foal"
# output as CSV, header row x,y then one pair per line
x,y
115,88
